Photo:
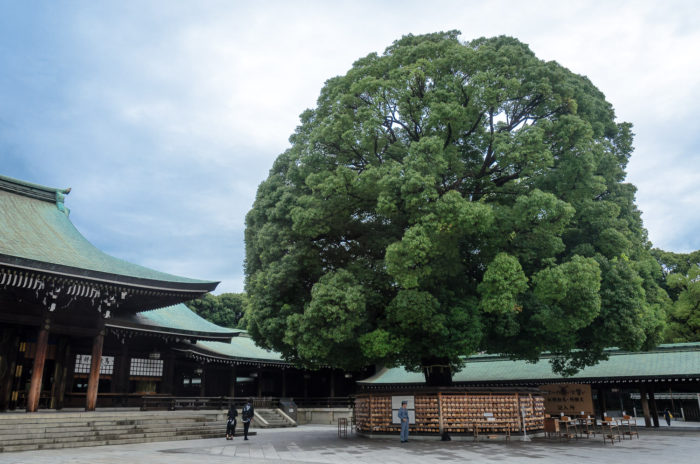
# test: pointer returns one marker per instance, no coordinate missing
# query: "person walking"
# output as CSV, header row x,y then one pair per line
x,y
247,413
668,416
403,417
231,423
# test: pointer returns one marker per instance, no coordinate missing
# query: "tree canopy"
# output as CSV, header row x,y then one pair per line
x,y
682,273
446,198
226,310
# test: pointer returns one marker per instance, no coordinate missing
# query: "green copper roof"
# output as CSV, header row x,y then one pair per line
x,y
241,347
667,360
181,320
36,233
177,320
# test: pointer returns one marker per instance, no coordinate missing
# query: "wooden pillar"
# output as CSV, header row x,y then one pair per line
x,y
645,406
11,340
284,382
58,372
42,344
259,382
654,411
94,379
601,402
332,384
123,365
167,386
306,384
203,380
232,384
670,394
440,420
67,367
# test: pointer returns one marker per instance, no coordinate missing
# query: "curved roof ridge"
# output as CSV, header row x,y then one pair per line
x,y
38,236
176,319
32,190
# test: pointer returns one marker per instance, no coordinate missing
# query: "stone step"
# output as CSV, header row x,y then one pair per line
x,y
110,434
273,418
89,435
57,419
20,432
6,424
85,427
38,416
78,444
82,429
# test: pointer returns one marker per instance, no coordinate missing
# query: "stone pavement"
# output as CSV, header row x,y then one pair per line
x,y
320,444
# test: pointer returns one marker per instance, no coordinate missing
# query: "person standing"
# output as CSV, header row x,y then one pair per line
x,y
668,416
231,423
247,414
403,417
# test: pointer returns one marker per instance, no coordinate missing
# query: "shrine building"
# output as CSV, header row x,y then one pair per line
x,y
65,306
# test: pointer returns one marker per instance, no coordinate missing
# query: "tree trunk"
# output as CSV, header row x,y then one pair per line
x,y
437,372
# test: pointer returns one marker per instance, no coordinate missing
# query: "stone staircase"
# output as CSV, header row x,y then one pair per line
x,y
22,431
272,418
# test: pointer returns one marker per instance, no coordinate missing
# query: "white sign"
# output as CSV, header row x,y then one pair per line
x,y
397,400
396,405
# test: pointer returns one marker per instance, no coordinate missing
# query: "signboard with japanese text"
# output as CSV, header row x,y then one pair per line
x,y
568,398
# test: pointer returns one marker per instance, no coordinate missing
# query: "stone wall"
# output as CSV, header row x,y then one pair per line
x,y
322,416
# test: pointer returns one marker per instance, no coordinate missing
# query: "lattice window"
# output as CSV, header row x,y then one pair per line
x,y
82,364
141,367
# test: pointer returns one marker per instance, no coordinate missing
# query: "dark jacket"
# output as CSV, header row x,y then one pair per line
x,y
247,412
232,413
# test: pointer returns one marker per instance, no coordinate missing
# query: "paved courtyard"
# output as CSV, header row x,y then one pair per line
x,y
319,444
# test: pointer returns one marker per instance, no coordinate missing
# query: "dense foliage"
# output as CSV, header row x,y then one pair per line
x,y
446,198
682,272
226,310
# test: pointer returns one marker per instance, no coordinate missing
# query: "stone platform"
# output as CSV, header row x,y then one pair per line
x,y
320,444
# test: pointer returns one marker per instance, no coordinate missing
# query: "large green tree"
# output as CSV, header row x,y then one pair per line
x,y
446,198
226,310
682,281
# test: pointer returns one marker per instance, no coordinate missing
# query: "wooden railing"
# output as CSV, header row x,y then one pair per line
x,y
172,403
169,402
325,402
150,402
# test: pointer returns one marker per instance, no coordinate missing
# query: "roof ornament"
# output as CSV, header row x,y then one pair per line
x,y
60,198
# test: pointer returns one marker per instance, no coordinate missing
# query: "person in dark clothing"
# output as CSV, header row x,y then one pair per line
x,y
247,413
668,416
231,423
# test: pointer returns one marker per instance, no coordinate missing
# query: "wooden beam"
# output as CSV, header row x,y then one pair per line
x,y
440,418
11,340
121,377
94,378
68,366
654,411
232,386
168,383
58,372
332,383
284,382
645,406
42,344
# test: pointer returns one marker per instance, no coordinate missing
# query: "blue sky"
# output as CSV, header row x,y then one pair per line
x,y
164,116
